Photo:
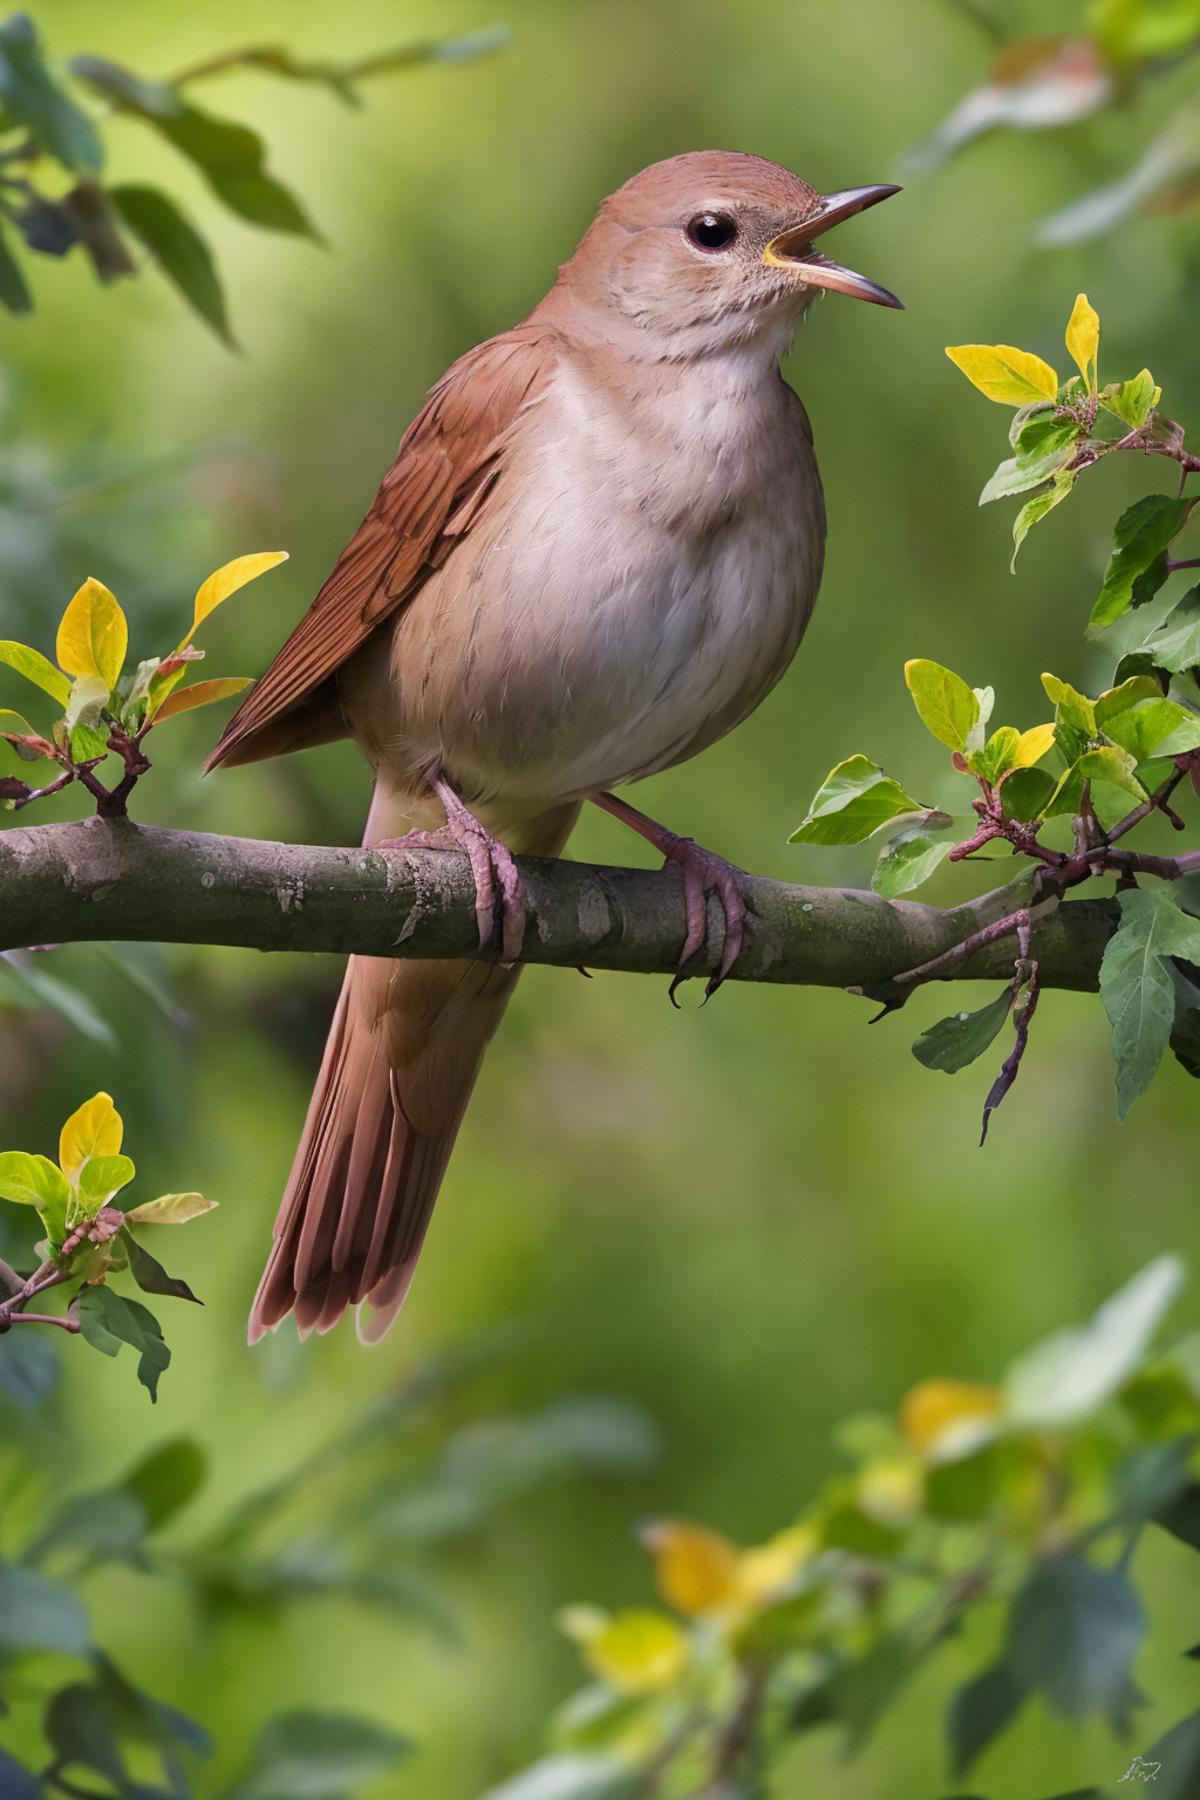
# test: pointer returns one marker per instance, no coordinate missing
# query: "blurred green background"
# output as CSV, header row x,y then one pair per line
x,y
753,1219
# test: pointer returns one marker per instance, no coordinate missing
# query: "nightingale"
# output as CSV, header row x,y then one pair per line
x,y
595,553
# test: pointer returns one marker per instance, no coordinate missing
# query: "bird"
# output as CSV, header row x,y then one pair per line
x,y
595,554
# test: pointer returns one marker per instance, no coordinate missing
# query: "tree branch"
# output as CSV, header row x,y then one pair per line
x,y
111,879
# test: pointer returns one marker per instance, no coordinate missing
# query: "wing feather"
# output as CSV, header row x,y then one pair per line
x,y
450,457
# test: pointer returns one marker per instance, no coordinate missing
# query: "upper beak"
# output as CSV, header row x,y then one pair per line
x,y
793,248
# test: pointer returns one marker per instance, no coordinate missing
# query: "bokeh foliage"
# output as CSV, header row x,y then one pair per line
x,y
755,1221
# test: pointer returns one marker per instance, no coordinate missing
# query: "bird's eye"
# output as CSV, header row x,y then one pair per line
x,y
712,231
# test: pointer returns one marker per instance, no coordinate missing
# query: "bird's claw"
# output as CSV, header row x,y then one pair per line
x,y
498,885
704,873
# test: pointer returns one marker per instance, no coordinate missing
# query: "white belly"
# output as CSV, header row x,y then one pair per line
x,y
636,600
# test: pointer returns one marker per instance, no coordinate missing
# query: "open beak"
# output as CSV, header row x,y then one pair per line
x,y
793,249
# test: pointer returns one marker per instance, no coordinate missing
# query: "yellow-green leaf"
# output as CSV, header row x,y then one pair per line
x,y
228,579
100,1178
1012,377
31,1180
93,634
201,693
171,1209
1072,706
1083,339
1032,745
94,1129
695,1568
36,668
947,706
638,1652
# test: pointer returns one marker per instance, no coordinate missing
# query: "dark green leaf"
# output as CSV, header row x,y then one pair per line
x,y
30,95
1142,534
46,226
321,1756
178,249
980,1711
1176,644
150,1275
1181,1516
1149,1479
1138,988
13,292
79,1726
1172,1762
103,1527
166,1479
230,156
954,1042
28,1367
109,1320
1074,1631
1025,794
39,1614
1185,1032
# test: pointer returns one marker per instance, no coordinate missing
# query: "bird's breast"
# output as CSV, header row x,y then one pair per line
x,y
639,578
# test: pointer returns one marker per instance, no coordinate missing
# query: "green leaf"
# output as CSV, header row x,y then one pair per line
x,y
150,1275
954,1042
1074,1631
1137,986
321,1756
1026,792
231,157
108,1320
980,1711
28,1369
1132,401
30,95
1018,474
1071,1373
166,1479
1156,723
1175,646
1109,763
39,1614
178,249
101,1178
1036,509
1142,534
1173,1761
36,668
998,755
1071,707
1185,1031
17,1782
853,801
98,1527
32,1181
909,859
14,293
1134,688
947,707
37,988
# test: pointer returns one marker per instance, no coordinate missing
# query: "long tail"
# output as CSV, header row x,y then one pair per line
x,y
403,1052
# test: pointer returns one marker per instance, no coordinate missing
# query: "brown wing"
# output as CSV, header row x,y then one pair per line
x,y
449,459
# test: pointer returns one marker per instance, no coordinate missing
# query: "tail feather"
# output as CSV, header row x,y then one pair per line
x,y
404,1048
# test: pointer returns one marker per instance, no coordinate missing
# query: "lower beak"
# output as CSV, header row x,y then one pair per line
x,y
793,249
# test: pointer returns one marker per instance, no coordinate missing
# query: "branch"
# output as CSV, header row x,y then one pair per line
x,y
111,879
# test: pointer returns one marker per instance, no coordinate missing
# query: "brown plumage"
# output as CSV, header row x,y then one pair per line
x,y
595,553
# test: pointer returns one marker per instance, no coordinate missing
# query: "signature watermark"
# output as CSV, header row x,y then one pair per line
x,y
1141,1770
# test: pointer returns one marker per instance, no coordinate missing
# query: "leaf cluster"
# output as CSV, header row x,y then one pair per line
x,y
1021,1501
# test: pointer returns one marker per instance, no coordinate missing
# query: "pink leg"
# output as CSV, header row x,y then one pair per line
x,y
497,883
702,872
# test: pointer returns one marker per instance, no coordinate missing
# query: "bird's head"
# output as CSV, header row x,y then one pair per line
x,y
713,248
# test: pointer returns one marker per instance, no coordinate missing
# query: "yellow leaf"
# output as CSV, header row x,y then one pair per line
x,y
696,1569
94,1130
890,1490
228,579
1033,745
637,1652
1013,377
201,693
93,635
937,1415
1083,338
766,1568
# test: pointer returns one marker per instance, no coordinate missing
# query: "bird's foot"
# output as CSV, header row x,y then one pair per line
x,y
703,873
498,885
